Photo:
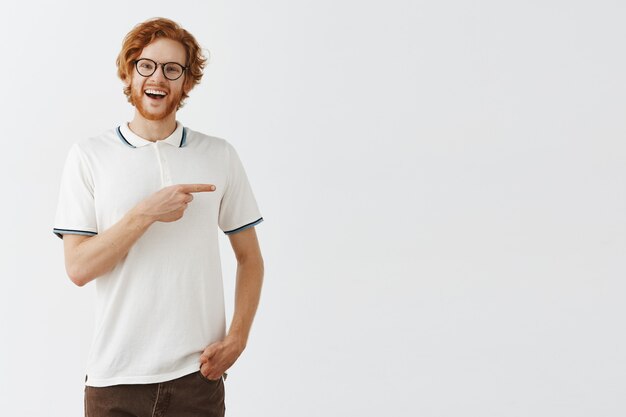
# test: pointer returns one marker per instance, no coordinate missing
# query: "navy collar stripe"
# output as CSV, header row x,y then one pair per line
x,y
183,138
119,133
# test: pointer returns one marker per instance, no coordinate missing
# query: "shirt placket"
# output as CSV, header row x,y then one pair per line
x,y
164,167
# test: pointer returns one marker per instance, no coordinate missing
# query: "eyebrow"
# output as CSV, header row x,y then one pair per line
x,y
154,60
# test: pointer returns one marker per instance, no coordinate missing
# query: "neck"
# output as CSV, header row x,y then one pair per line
x,y
153,130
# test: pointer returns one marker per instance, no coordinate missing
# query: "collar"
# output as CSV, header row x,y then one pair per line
x,y
178,138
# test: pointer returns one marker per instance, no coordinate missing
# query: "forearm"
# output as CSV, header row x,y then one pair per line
x,y
99,254
247,295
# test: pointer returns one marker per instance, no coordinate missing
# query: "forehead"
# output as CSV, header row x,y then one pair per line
x,y
165,50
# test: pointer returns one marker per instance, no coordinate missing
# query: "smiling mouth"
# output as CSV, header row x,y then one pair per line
x,y
155,94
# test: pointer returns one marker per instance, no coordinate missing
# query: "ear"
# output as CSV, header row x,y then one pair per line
x,y
127,78
187,86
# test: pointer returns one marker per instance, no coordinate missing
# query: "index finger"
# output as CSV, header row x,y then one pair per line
x,y
197,188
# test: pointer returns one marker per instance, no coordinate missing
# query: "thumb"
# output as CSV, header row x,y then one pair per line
x,y
209,352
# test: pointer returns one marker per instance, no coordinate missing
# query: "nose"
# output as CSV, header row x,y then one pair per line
x,y
158,74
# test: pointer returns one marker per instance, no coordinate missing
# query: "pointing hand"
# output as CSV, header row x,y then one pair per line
x,y
169,203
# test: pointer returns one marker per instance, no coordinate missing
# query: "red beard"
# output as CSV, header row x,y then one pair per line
x,y
149,113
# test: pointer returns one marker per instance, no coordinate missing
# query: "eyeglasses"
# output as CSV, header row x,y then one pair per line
x,y
171,70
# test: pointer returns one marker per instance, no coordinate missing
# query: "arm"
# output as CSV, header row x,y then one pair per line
x,y
88,257
220,356
249,282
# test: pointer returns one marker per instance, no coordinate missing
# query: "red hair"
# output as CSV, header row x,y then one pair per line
x,y
143,34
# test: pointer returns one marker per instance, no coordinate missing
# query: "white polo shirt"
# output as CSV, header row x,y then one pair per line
x,y
163,304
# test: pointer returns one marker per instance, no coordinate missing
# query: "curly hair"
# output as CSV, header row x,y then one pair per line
x,y
142,35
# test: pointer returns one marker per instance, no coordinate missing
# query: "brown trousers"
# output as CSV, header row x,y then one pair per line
x,y
192,395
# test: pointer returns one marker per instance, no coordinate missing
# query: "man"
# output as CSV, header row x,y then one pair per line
x,y
138,212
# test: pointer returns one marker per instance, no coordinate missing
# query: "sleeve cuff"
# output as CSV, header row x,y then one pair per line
x,y
244,227
61,232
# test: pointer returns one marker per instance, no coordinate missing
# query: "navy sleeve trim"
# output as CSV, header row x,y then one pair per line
x,y
61,232
239,229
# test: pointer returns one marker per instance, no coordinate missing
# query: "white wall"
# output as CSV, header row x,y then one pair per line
x,y
443,186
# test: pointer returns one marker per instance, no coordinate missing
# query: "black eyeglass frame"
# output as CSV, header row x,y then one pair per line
x,y
156,67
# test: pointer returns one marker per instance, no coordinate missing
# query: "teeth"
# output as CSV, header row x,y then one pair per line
x,y
156,92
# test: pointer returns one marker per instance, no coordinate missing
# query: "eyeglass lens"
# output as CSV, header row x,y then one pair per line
x,y
171,70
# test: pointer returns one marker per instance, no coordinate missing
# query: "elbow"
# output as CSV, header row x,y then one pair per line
x,y
254,261
261,265
76,275
79,281
79,266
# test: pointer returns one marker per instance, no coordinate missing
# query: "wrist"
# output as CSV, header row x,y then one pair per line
x,y
139,219
237,339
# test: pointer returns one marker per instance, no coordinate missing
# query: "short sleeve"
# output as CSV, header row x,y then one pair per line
x,y
238,208
76,212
